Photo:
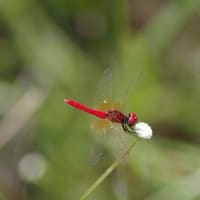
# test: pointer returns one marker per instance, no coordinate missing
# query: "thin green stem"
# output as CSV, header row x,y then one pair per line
x,y
108,171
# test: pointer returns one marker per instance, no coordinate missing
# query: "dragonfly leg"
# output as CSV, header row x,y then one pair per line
x,y
125,127
128,129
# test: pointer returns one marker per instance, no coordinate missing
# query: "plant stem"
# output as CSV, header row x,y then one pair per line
x,y
108,171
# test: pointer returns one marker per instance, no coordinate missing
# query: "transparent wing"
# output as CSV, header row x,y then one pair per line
x,y
104,91
117,140
123,93
102,102
101,126
99,130
106,133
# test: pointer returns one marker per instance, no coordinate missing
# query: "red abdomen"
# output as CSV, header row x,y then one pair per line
x,y
116,116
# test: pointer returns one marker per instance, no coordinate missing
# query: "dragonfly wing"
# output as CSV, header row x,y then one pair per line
x,y
118,140
99,130
104,91
101,125
123,93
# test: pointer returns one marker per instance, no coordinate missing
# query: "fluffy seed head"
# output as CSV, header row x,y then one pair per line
x,y
143,130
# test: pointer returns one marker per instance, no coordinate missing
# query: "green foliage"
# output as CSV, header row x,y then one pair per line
x,y
53,50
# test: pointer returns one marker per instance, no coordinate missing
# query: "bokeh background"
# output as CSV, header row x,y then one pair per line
x,y
51,50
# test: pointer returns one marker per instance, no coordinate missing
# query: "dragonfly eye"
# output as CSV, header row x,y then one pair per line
x,y
132,119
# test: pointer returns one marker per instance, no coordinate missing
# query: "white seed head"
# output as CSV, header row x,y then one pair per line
x,y
143,130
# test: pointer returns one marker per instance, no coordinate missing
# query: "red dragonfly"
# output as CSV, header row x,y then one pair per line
x,y
115,116
109,113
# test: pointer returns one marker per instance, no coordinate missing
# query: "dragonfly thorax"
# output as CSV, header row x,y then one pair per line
x,y
116,116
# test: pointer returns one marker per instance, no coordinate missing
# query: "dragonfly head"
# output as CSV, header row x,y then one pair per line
x,y
142,129
132,119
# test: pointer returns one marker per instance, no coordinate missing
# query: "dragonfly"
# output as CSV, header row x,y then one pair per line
x,y
129,123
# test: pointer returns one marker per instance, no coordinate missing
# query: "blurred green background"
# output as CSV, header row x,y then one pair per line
x,y
51,50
